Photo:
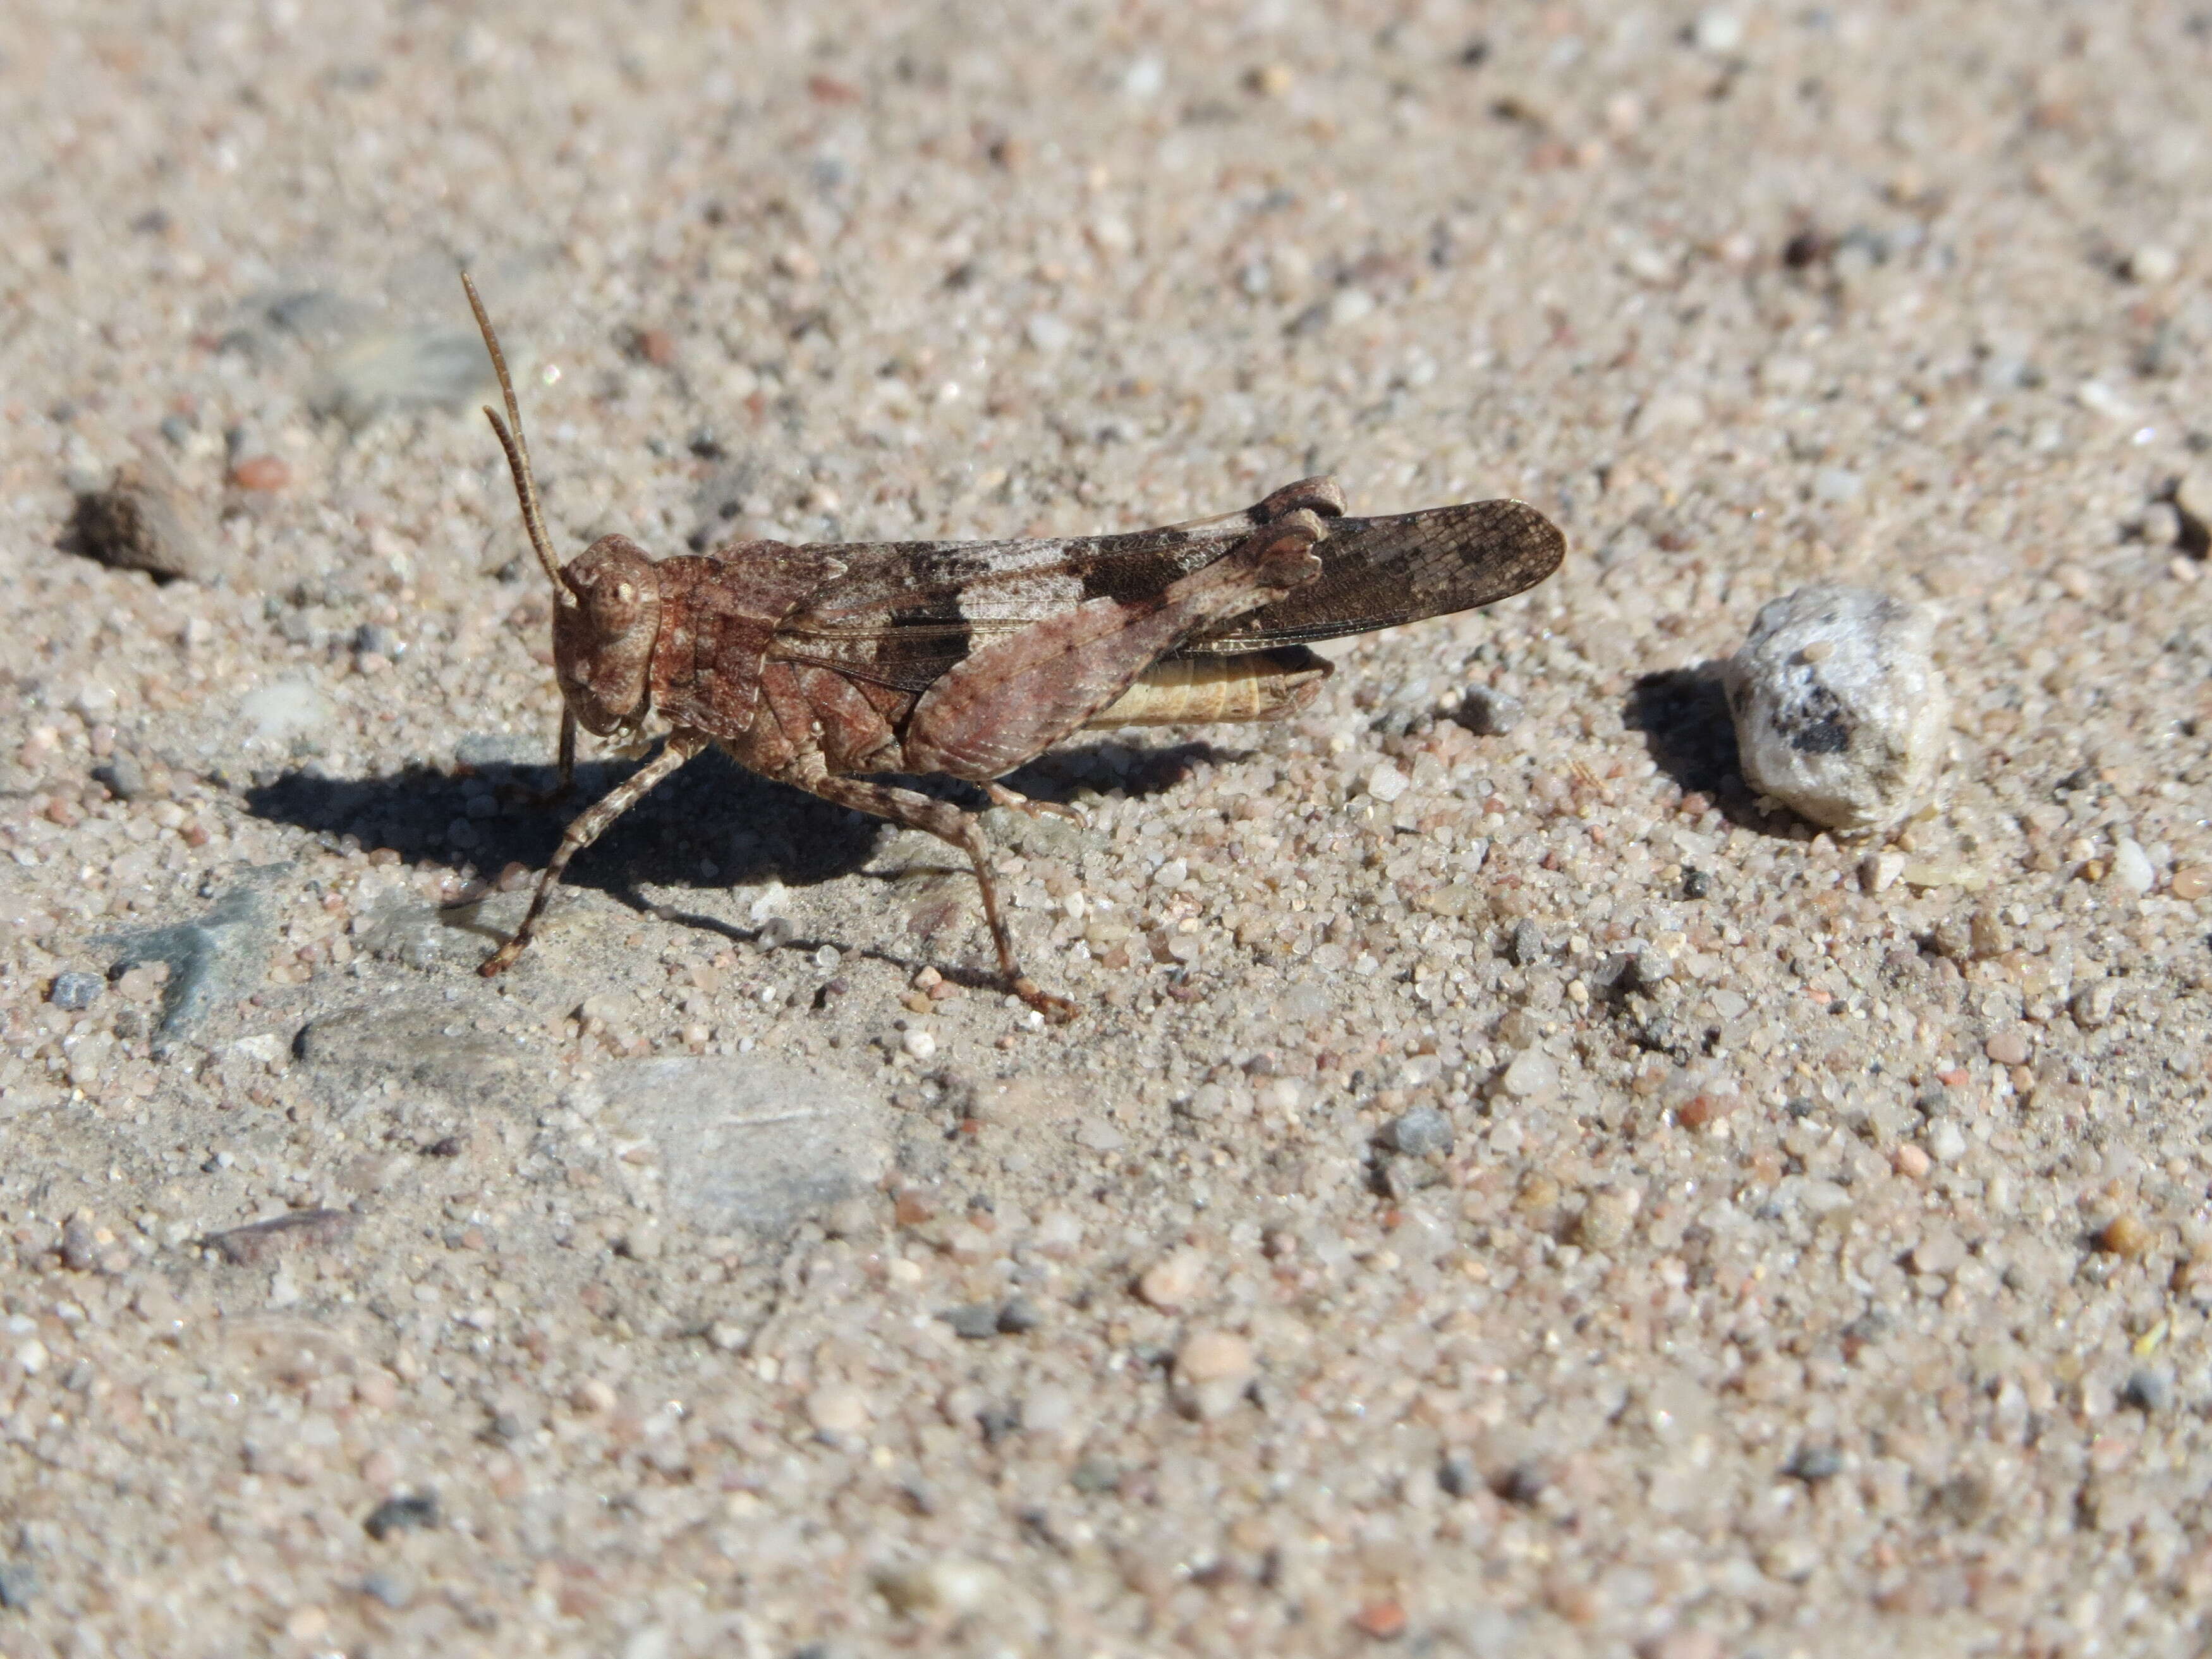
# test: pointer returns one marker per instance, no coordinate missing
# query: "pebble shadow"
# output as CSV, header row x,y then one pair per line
x,y
1683,714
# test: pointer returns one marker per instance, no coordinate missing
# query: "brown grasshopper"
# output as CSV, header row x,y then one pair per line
x,y
821,664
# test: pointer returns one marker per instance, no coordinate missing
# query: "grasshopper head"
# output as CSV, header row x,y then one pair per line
x,y
602,642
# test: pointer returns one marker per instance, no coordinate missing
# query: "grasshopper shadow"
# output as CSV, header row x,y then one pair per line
x,y
711,812
476,820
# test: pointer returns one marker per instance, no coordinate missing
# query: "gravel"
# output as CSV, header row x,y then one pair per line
x,y
646,1239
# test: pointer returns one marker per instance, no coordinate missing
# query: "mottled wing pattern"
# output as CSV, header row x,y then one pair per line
x,y
1379,573
904,612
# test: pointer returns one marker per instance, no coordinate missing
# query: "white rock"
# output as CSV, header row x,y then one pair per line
x,y
286,708
1839,712
2152,264
1386,783
1531,1073
2131,867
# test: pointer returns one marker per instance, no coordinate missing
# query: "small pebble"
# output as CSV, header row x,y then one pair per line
x,y
1385,1621
2126,1236
1420,1132
838,1408
1717,31
2007,1048
919,1042
2094,1006
1211,1370
409,1512
1531,1073
145,521
1947,1141
1697,883
1019,1317
947,1587
972,1320
1854,738
2190,882
1608,1217
1386,783
1524,945
2154,263
1910,1160
261,473
2147,1390
1814,1464
1175,1280
75,992
2131,869
81,1245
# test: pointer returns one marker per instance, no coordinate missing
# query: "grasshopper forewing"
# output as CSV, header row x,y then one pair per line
x,y
826,666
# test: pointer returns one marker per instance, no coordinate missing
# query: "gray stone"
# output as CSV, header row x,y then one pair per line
x,y
423,1043
1019,1316
124,778
1420,1132
19,1584
1839,711
398,369
2147,1390
215,960
746,1142
74,993
264,1242
1814,1464
972,1320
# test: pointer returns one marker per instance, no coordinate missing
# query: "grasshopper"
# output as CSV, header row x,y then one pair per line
x,y
827,666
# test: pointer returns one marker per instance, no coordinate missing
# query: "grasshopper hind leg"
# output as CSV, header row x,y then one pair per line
x,y
958,829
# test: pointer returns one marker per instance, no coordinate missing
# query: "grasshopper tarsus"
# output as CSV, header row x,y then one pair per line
x,y
820,666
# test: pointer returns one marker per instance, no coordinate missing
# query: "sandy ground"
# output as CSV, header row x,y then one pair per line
x,y
1511,1191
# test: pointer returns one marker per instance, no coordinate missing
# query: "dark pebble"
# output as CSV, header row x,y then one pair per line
x,y
1457,1476
972,1320
124,778
1420,1132
19,1584
1096,1474
75,992
80,1248
1814,1464
2147,1390
1696,884
409,1513
1019,1316
1525,944
1523,1484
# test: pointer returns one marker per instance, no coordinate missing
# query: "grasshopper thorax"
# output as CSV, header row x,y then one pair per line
x,y
602,643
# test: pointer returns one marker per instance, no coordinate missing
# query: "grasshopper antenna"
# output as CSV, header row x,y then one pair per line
x,y
518,454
